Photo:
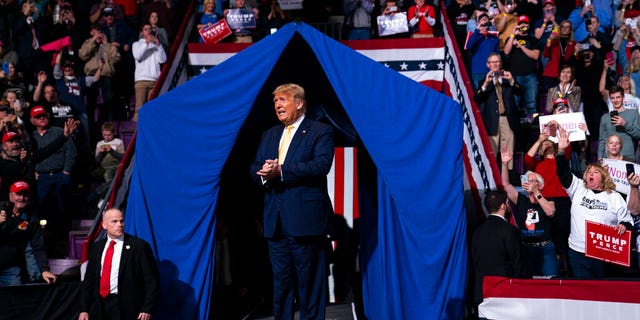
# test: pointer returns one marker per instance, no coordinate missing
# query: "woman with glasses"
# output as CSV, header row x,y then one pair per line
x,y
533,214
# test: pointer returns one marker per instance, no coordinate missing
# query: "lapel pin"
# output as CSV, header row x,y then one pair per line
x,y
128,247
304,131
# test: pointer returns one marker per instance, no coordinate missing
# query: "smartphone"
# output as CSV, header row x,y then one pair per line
x,y
630,169
498,74
585,46
612,114
393,9
524,179
627,21
609,58
633,24
587,3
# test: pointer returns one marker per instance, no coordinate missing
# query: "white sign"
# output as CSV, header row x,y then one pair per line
x,y
569,121
290,4
392,24
618,172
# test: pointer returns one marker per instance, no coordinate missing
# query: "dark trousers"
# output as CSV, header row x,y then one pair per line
x,y
585,267
299,262
110,310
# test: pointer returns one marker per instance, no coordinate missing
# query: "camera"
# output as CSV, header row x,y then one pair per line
x,y
153,32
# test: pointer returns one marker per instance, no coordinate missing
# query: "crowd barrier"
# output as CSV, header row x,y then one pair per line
x,y
523,299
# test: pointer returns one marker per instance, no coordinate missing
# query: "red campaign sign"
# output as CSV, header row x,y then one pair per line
x,y
602,242
216,32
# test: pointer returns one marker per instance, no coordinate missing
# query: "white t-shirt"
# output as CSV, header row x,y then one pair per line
x,y
116,144
606,208
630,102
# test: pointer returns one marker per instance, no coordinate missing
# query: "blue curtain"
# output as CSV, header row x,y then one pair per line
x,y
414,251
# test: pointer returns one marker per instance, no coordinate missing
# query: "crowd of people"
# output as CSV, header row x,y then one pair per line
x,y
71,72
362,19
555,82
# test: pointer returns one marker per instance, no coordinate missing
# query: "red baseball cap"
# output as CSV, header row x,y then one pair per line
x,y
10,135
523,19
557,102
19,186
37,110
551,2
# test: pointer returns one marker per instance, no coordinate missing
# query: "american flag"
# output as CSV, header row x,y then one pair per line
x,y
481,169
422,60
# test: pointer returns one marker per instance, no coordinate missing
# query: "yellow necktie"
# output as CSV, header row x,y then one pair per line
x,y
501,108
284,145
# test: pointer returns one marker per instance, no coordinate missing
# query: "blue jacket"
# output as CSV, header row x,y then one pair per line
x,y
299,198
604,12
480,47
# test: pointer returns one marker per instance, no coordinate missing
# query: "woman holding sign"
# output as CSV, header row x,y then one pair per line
x,y
593,198
208,16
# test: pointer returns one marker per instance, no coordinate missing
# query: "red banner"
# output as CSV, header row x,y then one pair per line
x,y
602,242
216,32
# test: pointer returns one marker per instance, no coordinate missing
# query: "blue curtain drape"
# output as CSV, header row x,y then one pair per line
x,y
414,251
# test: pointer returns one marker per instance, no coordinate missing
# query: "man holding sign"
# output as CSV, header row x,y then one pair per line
x,y
242,20
593,198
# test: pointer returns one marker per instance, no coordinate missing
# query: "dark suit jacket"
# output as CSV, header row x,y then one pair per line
x,y
300,198
488,103
138,286
496,250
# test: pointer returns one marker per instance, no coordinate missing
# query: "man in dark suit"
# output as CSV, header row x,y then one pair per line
x,y
496,99
291,165
121,281
496,246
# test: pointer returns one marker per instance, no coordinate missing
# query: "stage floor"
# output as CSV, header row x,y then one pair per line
x,y
334,312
